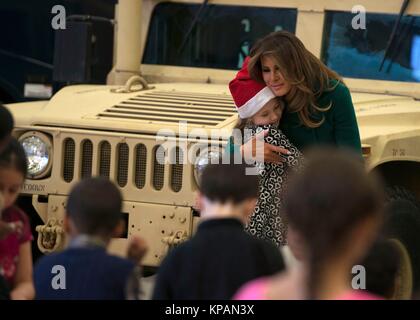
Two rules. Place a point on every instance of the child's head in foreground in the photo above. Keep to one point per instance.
(13, 170)
(227, 190)
(94, 208)
(334, 209)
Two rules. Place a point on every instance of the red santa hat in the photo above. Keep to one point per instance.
(249, 95)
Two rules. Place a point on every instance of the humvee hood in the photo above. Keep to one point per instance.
(379, 115)
(371, 104)
(184, 107)
(166, 106)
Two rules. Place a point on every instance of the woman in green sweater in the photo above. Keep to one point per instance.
(319, 109)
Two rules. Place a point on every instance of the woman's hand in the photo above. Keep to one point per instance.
(258, 150)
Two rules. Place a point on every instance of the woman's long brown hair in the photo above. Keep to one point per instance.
(308, 76)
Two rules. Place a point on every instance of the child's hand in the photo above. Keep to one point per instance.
(137, 249)
(18, 295)
(197, 203)
(7, 228)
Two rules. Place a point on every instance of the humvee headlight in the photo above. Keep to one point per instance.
(206, 156)
(38, 151)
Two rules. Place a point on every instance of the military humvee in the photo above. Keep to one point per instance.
(182, 55)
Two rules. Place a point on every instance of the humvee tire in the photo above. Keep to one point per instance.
(402, 227)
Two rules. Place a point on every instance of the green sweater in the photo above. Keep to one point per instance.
(338, 129)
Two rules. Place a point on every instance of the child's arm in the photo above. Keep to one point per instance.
(294, 159)
(137, 249)
(7, 228)
(24, 286)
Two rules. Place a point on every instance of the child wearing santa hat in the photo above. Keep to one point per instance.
(260, 110)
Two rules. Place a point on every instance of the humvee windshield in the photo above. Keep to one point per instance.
(221, 38)
(365, 48)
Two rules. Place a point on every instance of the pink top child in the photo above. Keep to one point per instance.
(9, 246)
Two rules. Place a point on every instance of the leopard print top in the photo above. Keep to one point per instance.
(267, 221)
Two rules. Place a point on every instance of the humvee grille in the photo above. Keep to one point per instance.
(122, 165)
(176, 170)
(87, 155)
(68, 159)
(158, 168)
(140, 174)
(173, 106)
(104, 159)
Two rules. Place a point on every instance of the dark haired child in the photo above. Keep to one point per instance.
(6, 126)
(221, 256)
(93, 217)
(15, 234)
